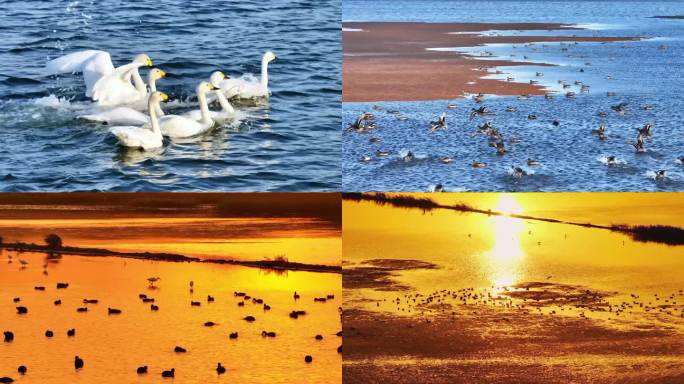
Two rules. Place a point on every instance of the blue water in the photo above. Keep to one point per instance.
(572, 159)
(291, 143)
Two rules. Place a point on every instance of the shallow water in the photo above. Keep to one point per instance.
(572, 159)
(493, 255)
(114, 346)
(290, 143)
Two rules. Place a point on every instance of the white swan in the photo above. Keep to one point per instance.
(227, 112)
(143, 137)
(249, 87)
(128, 115)
(104, 83)
(176, 126)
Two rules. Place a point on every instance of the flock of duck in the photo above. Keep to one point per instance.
(366, 123)
(242, 297)
(122, 97)
(543, 298)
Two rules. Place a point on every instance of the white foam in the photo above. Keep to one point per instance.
(352, 30)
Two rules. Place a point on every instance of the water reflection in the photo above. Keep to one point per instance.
(504, 258)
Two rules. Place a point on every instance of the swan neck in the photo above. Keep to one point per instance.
(152, 106)
(264, 72)
(152, 82)
(204, 107)
(225, 104)
(138, 81)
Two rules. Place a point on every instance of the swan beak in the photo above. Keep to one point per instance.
(163, 96)
(162, 73)
(211, 87)
(149, 62)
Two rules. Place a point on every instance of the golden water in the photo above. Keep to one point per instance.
(114, 346)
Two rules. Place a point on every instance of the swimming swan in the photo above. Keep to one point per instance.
(128, 115)
(181, 126)
(227, 112)
(143, 137)
(247, 88)
(104, 83)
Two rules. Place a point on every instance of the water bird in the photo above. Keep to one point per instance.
(177, 126)
(8, 336)
(62, 285)
(619, 108)
(57, 302)
(268, 334)
(143, 137)
(233, 335)
(532, 116)
(113, 311)
(71, 332)
(49, 333)
(169, 373)
(381, 153)
(438, 188)
(639, 145)
(446, 160)
(477, 164)
(364, 122)
(126, 115)
(517, 172)
(195, 303)
(16, 299)
(409, 156)
(246, 87)
(39, 288)
(296, 295)
(78, 362)
(90, 301)
(220, 369)
(154, 307)
(141, 370)
(365, 159)
(104, 83)
(511, 109)
(660, 174)
(532, 162)
(210, 299)
(209, 324)
(539, 74)
(555, 123)
(500, 147)
(439, 124)
(178, 349)
(308, 358)
(153, 280)
(22, 369)
(82, 309)
(319, 337)
(482, 111)
(646, 130)
(6, 379)
(249, 318)
(22, 310)
(374, 140)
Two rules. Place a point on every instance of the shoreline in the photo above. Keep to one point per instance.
(170, 257)
(390, 61)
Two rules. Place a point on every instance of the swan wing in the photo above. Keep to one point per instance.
(196, 115)
(119, 115)
(136, 137)
(113, 89)
(75, 62)
(180, 126)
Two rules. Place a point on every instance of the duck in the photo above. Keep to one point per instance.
(365, 159)
(176, 126)
(22, 310)
(408, 157)
(500, 147)
(619, 108)
(639, 145)
(517, 172)
(532, 162)
(78, 362)
(178, 349)
(482, 111)
(113, 311)
(142, 370)
(22, 369)
(438, 188)
(8, 336)
(440, 123)
(145, 138)
(660, 174)
(380, 153)
(646, 130)
(169, 373)
(308, 358)
(478, 164)
(446, 160)
(246, 87)
(71, 332)
(220, 369)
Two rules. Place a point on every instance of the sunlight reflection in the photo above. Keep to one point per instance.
(506, 254)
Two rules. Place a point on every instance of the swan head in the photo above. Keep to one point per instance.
(269, 56)
(157, 97)
(204, 87)
(156, 73)
(217, 77)
(143, 59)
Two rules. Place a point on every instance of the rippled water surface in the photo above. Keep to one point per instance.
(113, 346)
(289, 143)
(571, 157)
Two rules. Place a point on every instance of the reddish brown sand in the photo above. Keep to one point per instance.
(493, 345)
(390, 61)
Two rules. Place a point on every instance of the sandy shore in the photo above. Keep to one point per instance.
(492, 345)
(390, 61)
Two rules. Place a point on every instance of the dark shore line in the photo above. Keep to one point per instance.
(675, 17)
(278, 265)
(663, 234)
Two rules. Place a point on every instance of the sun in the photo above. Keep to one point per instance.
(508, 204)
